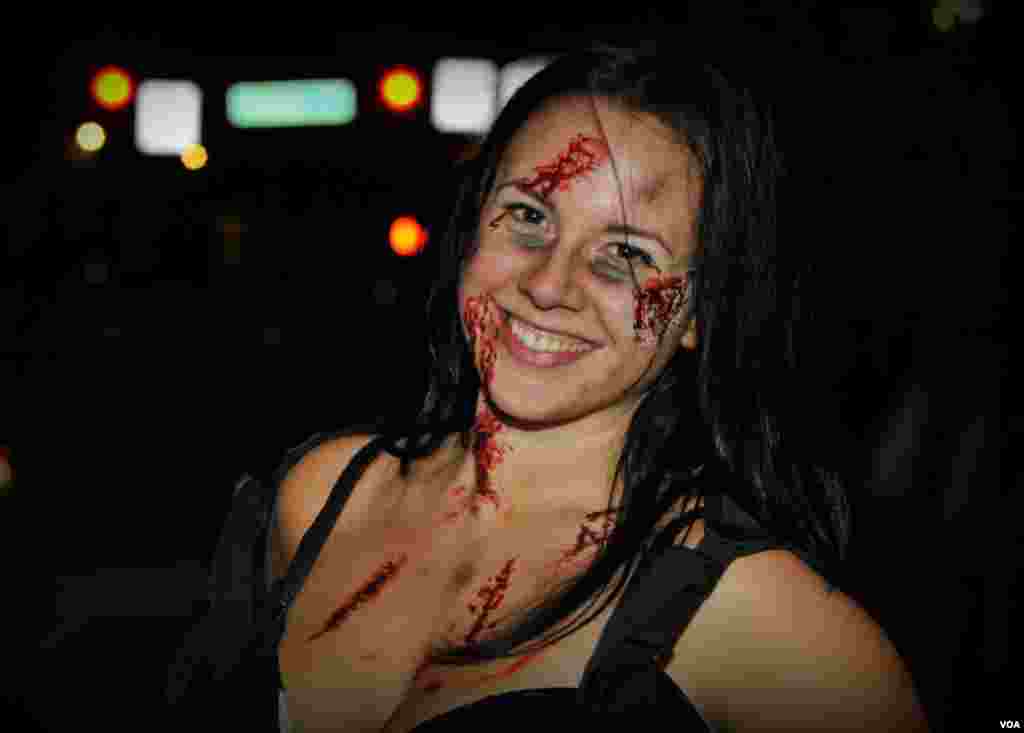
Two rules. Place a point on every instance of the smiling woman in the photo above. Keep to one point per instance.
(609, 407)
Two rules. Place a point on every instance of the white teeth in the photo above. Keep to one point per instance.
(544, 342)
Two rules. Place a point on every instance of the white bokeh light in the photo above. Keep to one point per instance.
(168, 117)
(462, 99)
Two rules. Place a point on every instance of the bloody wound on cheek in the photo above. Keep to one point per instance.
(387, 572)
(482, 321)
(658, 303)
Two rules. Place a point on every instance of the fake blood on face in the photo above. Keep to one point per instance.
(583, 155)
(483, 318)
(658, 303)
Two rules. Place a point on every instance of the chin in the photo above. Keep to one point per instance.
(535, 407)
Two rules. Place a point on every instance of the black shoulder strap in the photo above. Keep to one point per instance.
(242, 617)
(665, 592)
(287, 588)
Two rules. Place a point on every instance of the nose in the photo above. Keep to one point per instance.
(553, 281)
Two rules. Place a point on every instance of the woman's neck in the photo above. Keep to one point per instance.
(516, 468)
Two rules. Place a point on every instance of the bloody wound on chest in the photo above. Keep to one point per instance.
(369, 590)
(491, 596)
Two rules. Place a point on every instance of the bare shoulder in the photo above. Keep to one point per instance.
(305, 489)
(773, 648)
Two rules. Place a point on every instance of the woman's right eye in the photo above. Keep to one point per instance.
(525, 214)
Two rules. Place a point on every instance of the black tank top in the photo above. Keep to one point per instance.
(233, 647)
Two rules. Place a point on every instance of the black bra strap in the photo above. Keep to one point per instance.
(288, 587)
(243, 617)
(667, 589)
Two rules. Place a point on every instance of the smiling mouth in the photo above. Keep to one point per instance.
(541, 341)
(509, 316)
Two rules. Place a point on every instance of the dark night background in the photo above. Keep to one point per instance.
(131, 404)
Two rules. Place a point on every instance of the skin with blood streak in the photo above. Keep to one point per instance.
(658, 304)
(491, 596)
(371, 589)
(589, 538)
(481, 316)
(592, 534)
(489, 455)
(583, 155)
(483, 319)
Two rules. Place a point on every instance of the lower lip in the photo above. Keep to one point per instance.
(526, 355)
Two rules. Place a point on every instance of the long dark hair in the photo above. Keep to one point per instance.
(731, 405)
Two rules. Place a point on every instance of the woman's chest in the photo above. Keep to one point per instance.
(385, 598)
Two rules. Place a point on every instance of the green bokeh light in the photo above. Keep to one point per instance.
(291, 103)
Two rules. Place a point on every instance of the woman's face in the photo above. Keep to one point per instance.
(585, 189)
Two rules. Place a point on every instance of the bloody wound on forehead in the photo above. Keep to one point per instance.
(583, 155)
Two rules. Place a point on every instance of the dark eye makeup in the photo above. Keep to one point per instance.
(531, 217)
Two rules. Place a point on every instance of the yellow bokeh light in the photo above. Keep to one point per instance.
(407, 237)
(90, 137)
(401, 89)
(194, 157)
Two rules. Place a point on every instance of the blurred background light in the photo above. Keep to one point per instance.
(463, 96)
(298, 103)
(194, 157)
(90, 137)
(407, 236)
(112, 88)
(971, 11)
(168, 117)
(947, 14)
(515, 74)
(401, 89)
(944, 14)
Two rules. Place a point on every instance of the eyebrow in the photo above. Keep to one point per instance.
(623, 229)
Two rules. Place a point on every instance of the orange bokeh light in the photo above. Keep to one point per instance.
(407, 236)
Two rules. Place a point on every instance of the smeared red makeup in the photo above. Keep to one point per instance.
(483, 319)
(490, 595)
(660, 303)
(583, 155)
(370, 590)
(489, 455)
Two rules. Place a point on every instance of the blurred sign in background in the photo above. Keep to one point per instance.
(220, 237)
